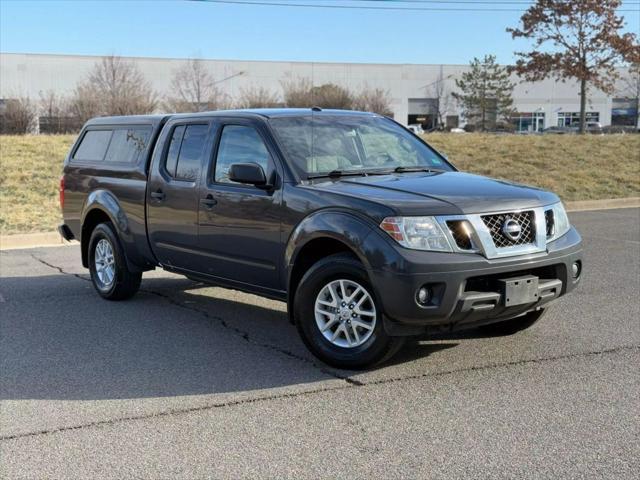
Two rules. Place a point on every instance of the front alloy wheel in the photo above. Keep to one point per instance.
(338, 316)
(345, 313)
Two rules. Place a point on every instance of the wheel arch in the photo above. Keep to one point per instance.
(319, 235)
(102, 206)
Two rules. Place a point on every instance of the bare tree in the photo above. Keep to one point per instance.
(114, 87)
(193, 89)
(585, 43)
(51, 104)
(442, 98)
(85, 103)
(331, 95)
(19, 116)
(55, 115)
(375, 100)
(258, 97)
(297, 92)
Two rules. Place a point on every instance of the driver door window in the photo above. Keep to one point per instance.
(239, 144)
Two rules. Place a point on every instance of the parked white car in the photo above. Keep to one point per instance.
(416, 128)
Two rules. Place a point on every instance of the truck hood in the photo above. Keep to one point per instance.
(446, 193)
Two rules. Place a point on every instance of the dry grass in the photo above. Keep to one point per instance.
(30, 168)
(575, 167)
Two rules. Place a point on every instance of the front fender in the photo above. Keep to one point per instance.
(358, 233)
(346, 227)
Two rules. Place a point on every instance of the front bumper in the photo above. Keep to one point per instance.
(465, 287)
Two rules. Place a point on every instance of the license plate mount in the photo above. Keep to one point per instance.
(519, 290)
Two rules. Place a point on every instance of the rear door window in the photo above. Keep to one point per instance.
(186, 150)
(191, 152)
(127, 144)
(93, 146)
(174, 149)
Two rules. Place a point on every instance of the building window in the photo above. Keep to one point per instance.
(528, 122)
(572, 119)
(624, 112)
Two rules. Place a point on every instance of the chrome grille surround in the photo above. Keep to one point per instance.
(482, 239)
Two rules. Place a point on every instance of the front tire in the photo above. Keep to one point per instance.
(109, 272)
(338, 316)
(514, 325)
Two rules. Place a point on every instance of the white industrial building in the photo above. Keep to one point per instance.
(540, 105)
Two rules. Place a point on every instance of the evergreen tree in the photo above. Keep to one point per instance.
(485, 93)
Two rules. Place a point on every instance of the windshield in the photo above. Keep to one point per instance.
(320, 144)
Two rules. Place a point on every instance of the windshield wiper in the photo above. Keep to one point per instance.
(364, 173)
(339, 173)
(414, 169)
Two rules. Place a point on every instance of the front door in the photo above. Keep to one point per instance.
(173, 195)
(239, 225)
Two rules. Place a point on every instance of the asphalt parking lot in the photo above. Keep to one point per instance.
(189, 381)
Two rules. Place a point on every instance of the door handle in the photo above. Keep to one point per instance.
(158, 195)
(209, 202)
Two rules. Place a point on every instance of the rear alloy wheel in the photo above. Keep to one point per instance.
(338, 316)
(110, 274)
(104, 264)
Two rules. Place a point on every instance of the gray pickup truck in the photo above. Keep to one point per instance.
(368, 233)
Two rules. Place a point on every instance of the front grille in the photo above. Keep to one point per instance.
(495, 224)
(460, 230)
(549, 220)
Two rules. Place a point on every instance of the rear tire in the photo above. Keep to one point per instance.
(514, 325)
(108, 266)
(339, 287)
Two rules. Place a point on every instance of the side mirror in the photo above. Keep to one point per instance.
(248, 173)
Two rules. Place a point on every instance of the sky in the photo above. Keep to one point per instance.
(209, 29)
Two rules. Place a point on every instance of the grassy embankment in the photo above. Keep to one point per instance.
(575, 167)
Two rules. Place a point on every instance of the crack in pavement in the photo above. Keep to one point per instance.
(348, 382)
(289, 395)
(241, 333)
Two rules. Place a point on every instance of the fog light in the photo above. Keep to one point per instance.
(423, 296)
(575, 269)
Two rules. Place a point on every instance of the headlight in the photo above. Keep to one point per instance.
(560, 221)
(419, 233)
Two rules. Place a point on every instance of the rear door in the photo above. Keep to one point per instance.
(239, 234)
(173, 192)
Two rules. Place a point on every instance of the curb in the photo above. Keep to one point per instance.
(53, 239)
(33, 240)
(584, 205)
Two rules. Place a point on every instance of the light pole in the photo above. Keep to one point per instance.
(242, 72)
